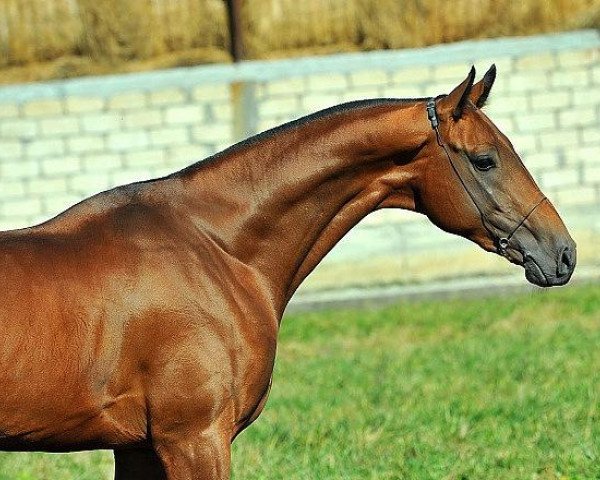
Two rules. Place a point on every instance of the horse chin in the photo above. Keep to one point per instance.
(534, 274)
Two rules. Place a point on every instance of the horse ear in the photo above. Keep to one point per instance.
(481, 89)
(457, 99)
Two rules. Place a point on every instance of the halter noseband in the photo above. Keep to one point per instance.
(501, 242)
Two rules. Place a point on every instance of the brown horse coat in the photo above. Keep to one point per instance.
(145, 318)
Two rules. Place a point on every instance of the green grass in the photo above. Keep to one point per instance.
(504, 388)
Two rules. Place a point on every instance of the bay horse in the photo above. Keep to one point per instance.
(144, 319)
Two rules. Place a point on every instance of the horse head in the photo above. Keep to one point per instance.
(473, 183)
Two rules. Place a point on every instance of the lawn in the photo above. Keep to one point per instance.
(503, 388)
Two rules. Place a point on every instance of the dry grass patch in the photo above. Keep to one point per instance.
(116, 36)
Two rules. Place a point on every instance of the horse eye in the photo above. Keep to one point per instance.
(483, 162)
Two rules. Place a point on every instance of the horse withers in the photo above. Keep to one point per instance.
(145, 318)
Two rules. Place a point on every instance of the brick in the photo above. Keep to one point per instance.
(127, 141)
(54, 204)
(286, 86)
(543, 61)
(543, 160)
(187, 114)
(580, 155)
(84, 104)
(19, 169)
(586, 96)
(211, 92)
(577, 58)
(528, 82)
(590, 135)
(505, 124)
(60, 126)
(369, 77)
(314, 102)
(327, 82)
(187, 155)
(43, 186)
(502, 85)
(144, 118)
(85, 144)
(130, 176)
(504, 64)
(43, 148)
(18, 128)
(221, 112)
(169, 96)
(21, 207)
(214, 134)
(60, 165)
(399, 91)
(145, 158)
(10, 149)
(163, 171)
(8, 110)
(279, 106)
(266, 124)
(359, 94)
(102, 122)
(560, 178)
(89, 183)
(596, 74)
(560, 138)
(13, 188)
(578, 117)
(43, 108)
(411, 76)
(509, 104)
(551, 100)
(169, 136)
(454, 71)
(582, 195)
(128, 101)
(591, 174)
(524, 143)
(535, 122)
(571, 78)
(102, 162)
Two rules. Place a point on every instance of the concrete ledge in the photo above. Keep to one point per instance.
(478, 287)
(260, 71)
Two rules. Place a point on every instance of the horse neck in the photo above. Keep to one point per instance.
(279, 204)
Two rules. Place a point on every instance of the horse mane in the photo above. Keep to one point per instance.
(321, 114)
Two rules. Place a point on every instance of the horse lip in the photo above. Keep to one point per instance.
(533, 272)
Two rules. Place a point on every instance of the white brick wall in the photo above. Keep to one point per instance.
(57, 148)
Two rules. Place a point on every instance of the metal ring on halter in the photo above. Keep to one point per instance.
(501, 243)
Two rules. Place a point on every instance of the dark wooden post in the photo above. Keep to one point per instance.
(243, 96)
(236, 40)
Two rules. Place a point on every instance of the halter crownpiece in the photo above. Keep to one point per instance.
(501, 243)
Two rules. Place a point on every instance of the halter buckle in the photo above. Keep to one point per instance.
(432, 114)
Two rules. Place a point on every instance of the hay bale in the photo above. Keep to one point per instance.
(416, 23)
(272, 26)
(38, 30)
(140, 29)
(115, 30)
(188, 24)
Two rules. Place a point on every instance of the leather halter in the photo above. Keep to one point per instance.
(500, 242)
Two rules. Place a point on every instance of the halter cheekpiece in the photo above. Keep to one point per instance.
(500, 242)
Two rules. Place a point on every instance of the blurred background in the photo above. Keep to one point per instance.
(63, 140)
(97, 93)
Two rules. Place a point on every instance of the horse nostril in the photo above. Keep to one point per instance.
(565, 262)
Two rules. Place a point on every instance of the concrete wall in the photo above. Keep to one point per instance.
(63, 141)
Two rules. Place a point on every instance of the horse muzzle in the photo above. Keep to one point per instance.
(546, 271)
